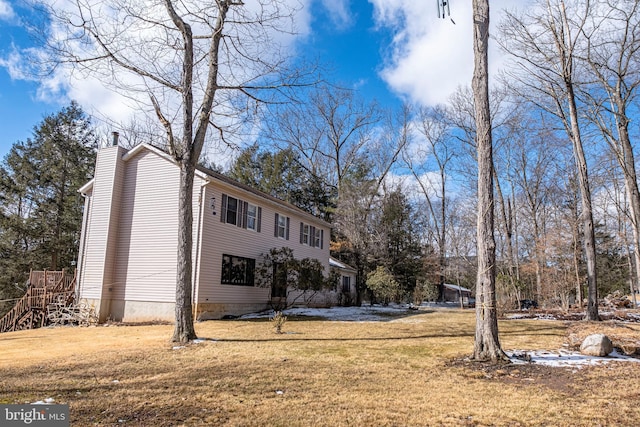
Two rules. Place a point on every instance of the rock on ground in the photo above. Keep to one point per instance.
(596, 345)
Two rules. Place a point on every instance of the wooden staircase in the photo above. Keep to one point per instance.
(44, 288)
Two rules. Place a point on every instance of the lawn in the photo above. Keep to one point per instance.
(406, 371)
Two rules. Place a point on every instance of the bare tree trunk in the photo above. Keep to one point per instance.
(631, 186)
(487, 344)
(184, 330)
(587, 210)
(565, 46)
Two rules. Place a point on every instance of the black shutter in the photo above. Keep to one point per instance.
(275, 228)
(245, 208)
(321, 239)
(286, 234)
(223, 209)
(301, 232)
(259, 219)
(239, 211)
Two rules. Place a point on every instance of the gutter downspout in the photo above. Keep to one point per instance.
(198, 254)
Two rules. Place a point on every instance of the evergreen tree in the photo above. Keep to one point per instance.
(399, 249)
(41, 212)
(281, 175)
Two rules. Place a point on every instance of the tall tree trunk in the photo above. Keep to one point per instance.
(487, 344)
(184, 330)
(587, 210)
(631, 186)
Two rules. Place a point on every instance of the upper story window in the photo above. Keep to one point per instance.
(252, 217)
(312, 236)
(317, 241)
(281, 227)
(241, 213)
(232, 211)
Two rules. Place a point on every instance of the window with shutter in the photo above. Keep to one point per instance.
(282, 227)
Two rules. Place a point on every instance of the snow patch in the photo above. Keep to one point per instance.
(565, 358)
(345, 314)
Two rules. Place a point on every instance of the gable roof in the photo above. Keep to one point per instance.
(208, 175)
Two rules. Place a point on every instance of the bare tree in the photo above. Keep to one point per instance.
(612, 54)
(433, 126)
(195, 65)
(487, 344)
(545, 46)
(331, 131)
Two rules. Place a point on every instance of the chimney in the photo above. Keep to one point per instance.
(115, 138)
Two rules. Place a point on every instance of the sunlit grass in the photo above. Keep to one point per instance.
(397, 373)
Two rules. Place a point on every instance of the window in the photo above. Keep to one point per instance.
(252, 217)
(346, 284)
(240, 213)
(304, 233)
(232, 211)
(237, 270)
(281, 228)
(317, 241)
(312, 236)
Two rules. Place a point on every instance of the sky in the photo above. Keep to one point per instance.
(388, 50)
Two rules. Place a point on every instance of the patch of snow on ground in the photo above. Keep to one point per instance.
(517, 316)
(564, 358)
(346, 314)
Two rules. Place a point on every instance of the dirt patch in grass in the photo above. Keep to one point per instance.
(324, 372)
(553, 378)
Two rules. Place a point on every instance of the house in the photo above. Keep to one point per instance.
(128, 246)
(346, 282)
(453, 293)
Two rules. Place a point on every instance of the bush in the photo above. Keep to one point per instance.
(382, 285)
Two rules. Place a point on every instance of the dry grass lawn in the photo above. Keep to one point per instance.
(404, 372)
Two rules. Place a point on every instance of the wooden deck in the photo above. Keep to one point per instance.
(45, 288)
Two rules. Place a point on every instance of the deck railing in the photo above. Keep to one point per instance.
(44, 288)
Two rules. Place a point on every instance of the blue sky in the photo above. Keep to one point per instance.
(390, 50)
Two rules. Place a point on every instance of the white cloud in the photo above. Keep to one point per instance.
(430, 56)
(339, 12)
(6, 11)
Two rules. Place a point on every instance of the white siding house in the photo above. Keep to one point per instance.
(128, 248)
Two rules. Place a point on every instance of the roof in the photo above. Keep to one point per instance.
(456, 288)
(206, 174)
(341, 265)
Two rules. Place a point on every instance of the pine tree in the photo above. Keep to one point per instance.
(41, 213)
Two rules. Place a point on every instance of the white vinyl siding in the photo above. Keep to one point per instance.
(101, 224)
(146, 257)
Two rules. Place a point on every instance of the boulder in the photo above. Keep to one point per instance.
(596, 345)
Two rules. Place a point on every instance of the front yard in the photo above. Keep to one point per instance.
(406, 370)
